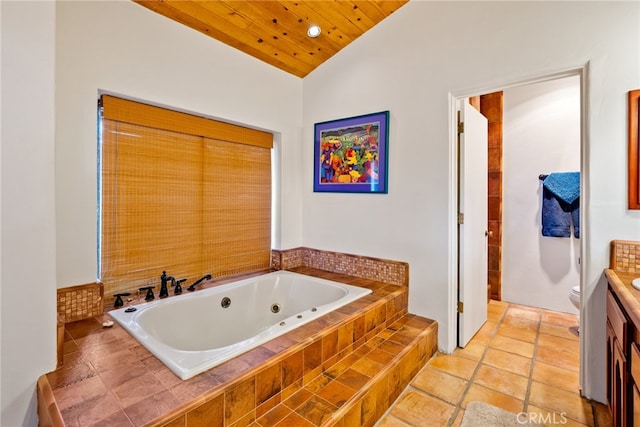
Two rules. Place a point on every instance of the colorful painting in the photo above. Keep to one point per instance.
(350, 154)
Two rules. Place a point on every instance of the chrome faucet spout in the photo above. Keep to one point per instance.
(192, 287)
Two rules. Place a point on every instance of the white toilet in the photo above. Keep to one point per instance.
(574, 297)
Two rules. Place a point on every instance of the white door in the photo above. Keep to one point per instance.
(472, 231)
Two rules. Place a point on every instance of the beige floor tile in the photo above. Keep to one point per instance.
(512, 345)
(508, 361)
(557, 318)
(519, 321)
(558, 357)
(521, 316)
(498, 362)
(524, 311)
(552, 375)
(454, 365)
(561, 401)
(502, 381)
(478, 393)
(481, 338)
(419, 409)
(549, 418)
(496, 303)
(558, 343)
(489, 327)
(518, 332)
(440, 384)
(473, 350)
(559, 331)
(494, 316)
(458, 419)
(495, 310)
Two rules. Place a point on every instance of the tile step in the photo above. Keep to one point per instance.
(357, 390)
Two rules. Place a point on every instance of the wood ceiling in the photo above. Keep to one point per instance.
(275, 31)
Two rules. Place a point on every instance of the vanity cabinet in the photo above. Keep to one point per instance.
(635, 376)
(618, 378)
(623, 355)
(623, 333)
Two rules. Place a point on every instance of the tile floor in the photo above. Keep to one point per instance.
(524, 359)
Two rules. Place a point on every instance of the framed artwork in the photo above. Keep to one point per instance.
(350, 155)
(634, 149)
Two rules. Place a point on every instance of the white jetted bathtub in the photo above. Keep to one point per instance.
(193, 332)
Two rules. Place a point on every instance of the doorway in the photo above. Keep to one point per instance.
(541, 136)
(554, 271)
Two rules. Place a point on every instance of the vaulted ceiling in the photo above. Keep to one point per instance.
(275, 31)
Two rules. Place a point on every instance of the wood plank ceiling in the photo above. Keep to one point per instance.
(275, 31)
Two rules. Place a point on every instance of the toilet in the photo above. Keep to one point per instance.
(574, 297)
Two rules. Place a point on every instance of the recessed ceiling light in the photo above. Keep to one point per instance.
(314, 31)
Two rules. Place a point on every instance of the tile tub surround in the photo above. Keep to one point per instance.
(80, 302)
(625, 256)
(344, 368)
(89, 300)
(382, 270)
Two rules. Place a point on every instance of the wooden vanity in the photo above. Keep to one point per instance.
(623, 334)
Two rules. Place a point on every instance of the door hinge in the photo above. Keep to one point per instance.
(460, 307)
(460, 218)
(460, 127)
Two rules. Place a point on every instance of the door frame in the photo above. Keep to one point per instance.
(452, 269)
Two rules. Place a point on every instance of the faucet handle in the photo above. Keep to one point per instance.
(119, 302)
(149, 290)
(177, 284)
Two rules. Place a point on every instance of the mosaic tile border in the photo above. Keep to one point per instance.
(85, 301)
(382, 270)
(80, 302)
(625, 256)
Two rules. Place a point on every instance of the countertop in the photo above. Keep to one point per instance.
(628, 295)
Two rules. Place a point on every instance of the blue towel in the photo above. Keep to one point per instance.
(561, 204)
(564, 185)
(575, 218)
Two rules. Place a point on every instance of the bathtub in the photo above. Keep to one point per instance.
(193, 332)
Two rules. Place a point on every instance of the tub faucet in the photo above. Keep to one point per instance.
(119, 302)
(149, 296)
(164, 279)
(197, 282)
(177, 284)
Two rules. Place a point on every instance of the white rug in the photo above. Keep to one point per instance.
(480, 414)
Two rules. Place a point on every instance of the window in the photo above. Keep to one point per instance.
(179, 193)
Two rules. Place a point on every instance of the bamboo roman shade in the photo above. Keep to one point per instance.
(180, 193)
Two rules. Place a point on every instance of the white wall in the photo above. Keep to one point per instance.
(60, 54)
(410, 64)
(150, 57)
(391, 67)
(541, 134)
(28, 311)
